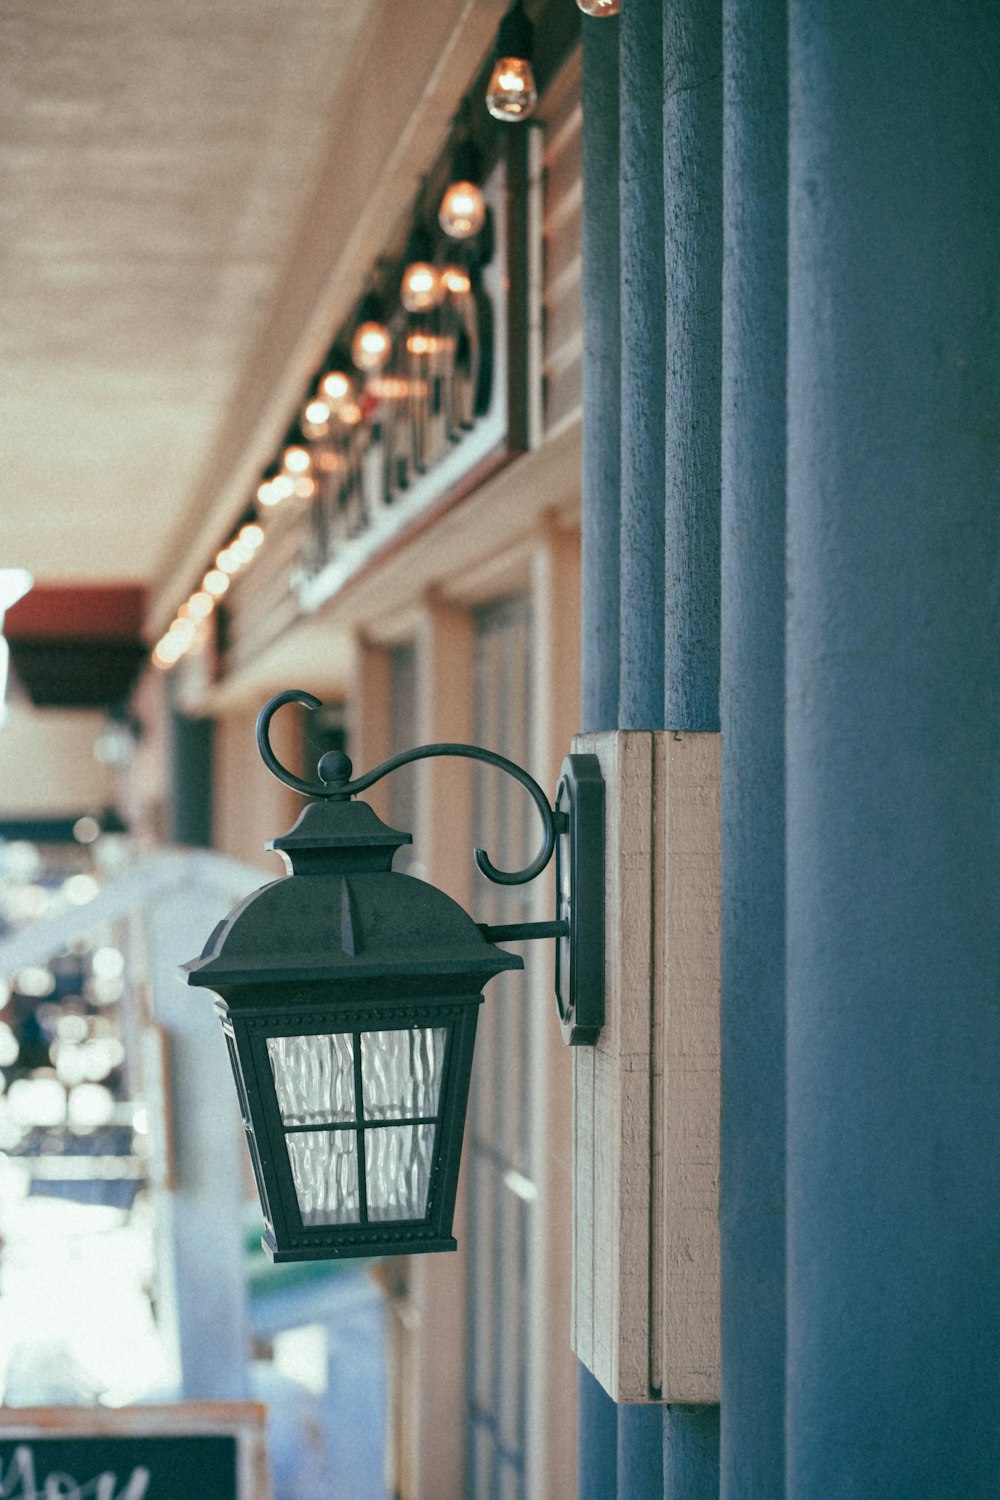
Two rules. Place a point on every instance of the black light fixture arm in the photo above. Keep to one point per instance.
(335, 783)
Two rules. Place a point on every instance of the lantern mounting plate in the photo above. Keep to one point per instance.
(579, 978)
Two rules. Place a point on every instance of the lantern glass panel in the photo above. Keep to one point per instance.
(401, 1072)
(398, 1161)
(314, 1078)
(359, 1112)
(325, 1172)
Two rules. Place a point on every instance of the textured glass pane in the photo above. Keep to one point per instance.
(398, 1170)
(401, 1072)
(314, 1078)
(325, 1172)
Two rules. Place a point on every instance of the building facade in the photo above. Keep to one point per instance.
(701, 465)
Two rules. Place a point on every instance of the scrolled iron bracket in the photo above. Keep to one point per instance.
(335, 783)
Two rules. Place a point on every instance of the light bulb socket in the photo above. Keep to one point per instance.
(467, 162)
(294, 438)
(371, 318)
(338, 360)
(371, 309)
(419, 246)
(516, 36)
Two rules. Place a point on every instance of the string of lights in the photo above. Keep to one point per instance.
(382, 356)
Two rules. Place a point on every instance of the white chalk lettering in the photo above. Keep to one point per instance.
(19, 1482)
(21, 1472)
(101, 1488)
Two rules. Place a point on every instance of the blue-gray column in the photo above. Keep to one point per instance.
(692, 164)
(601, 472)
(691, 1453)
(643, 386)
(640, 1452)
(893, 749)
(642, 365)
(597, 1441)
(597, 1417)
(754, 334)
(600, 594)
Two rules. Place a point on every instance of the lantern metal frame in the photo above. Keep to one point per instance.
(288, 1235)
(349, 951)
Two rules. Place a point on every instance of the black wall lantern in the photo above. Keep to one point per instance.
(349, 995)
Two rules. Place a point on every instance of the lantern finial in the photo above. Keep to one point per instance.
(334, 769)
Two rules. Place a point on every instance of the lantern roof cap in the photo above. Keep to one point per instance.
(332, 837)
(345, 926)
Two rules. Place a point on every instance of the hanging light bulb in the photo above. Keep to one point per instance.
(511, 93)
(296, 459)
(315, 420)
(274, 491)
(200, 605)
(215, 582)
(265, 493)
(462, 213)
(463, 210)
(252, 534)
(371, 346)
(350, 413)
(335, 383)
(456, 280)
(600, 7)
(421, 286)
(422, 344)
(420, 289)
(336, 386)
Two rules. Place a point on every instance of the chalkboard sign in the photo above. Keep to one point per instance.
(206, 1450)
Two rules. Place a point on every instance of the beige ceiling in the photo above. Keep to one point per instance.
(192, 194)
(154, 163)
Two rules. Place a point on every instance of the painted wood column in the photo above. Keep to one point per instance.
(670, 226)
(640, 1451)
(601, 471)
(597, 1441)
(754, 332)
(692, 174)
(640, 535)
(600, 507)
(691, 1454)
(893, 744)
(692, 171)
(640, 703)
